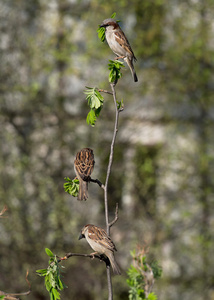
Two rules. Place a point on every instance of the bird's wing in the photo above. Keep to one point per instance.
(99, 236)
(84, 163)
(123, 42)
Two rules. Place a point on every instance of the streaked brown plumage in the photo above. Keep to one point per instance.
(83, 166)
(101, 243)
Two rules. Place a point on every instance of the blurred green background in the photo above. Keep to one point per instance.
(163, 170)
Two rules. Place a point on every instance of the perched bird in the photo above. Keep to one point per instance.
(83, 166)
(101, 243)
(119, 44)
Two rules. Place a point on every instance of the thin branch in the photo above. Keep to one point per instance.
(110, 289)
(98, 182)
(116, 216)
(117, 111)
(3, 211)
(108, 225)
(105, 91)
(11, 296)
(92, 256)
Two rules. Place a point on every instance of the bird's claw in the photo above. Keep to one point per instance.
(93, 254)
(118, 57)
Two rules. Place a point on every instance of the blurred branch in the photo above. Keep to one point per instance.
(104, 91)
(13, 296)
(3, 211)
(116, 216)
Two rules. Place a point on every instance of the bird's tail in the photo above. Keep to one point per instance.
(114, 265)
(83, 190)
(131, 67)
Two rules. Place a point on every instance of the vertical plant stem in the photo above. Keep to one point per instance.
(111, 158)
(110, 291)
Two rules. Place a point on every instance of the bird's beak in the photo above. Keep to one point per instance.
(102, 25)
(81, 236)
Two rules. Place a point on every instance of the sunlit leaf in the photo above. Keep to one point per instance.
(49, 252)
(91, 118)
(42, 272)
(101, 33)
(152, 296)
(115, 66)
(95, 102)
(71, 186)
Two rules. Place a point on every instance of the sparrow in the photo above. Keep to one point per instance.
(119, 44)
(101, 243)
(83, 166)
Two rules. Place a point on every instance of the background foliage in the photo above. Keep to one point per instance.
(163, 167)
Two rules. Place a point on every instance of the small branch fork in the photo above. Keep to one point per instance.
(116, 217)
(109, 224)
(13, 296)
(117, 111)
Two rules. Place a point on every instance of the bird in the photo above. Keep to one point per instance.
(101, 243)
(119, 43)
(83, 166)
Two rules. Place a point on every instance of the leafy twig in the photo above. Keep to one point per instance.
(52, 274)
(142, 276)
(116, 216)
(71, 186)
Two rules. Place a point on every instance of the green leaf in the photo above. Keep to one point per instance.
(71, 186)
(156, 269)
(115, 66)
(2, 297)
(95, 102)
(52, 296)
(94, 98)
(55, 293)
(113, 15)
(47, 282)
(91, 118)
(152, 296)
(101, 34)
(60, 284)
(42, 272)
(49, 252)
(120, 104)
